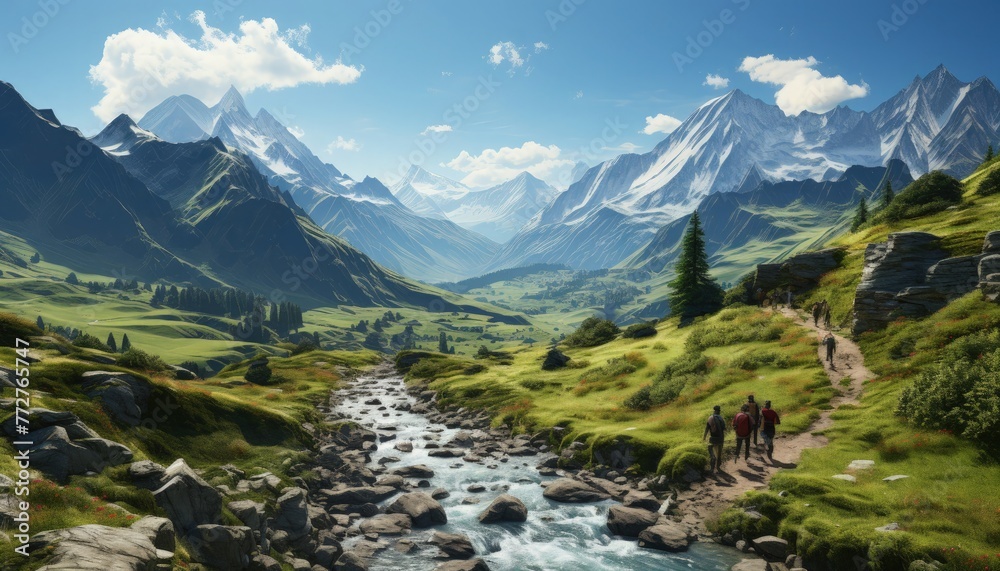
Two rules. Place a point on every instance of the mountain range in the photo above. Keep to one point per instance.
(497, 212)
(365, 213)
(197, 212)
(734, 142)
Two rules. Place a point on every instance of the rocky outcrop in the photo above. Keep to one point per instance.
(292, 514)
(504, 508)
(159, 530)
(910, 275)
(63, 446)
(801, 271)
(989, 267)
(98, 548)
(124, 397)
(186, 498)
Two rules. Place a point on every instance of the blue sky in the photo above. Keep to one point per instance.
(538, 85)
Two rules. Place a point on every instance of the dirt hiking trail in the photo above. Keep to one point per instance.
(707, 499)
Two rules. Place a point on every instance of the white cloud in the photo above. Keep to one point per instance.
(803, 88)
(625, 147)
(505, 51)
(494, 166)
(716, 81)
(445, 74)
(661, 124)
(140, 68)
(437, 129)
(343, 144)
(539, 46)
(579, 95)
(299, 36)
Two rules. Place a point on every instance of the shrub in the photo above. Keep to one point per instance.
(592, 332)
(932, 192)
(668, 385)
(990, 184)
(640, 330)
(88, 341)
(533, 384)
(755, 359)
(961, 393)
(13, 327)
(605, 377)
(141, 361)
(258, 375)
(641, 400)
(305, 346)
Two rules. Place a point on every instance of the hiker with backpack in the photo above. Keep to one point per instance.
(817, 308)
(831, 347)
(715, 431)
(753, 409)
(770, 418)
(743, 424)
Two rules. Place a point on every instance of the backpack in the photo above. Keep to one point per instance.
(754, 409)
(715, 425)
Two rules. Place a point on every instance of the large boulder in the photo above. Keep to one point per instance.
(63, 446)
(424, 510)
(160, 531)
(665, 537)
(387, 524)
(96, 548)
(188, 500)
(801, 271)
(567, 490)
(453, 545)
(504, 508)
(642, 500)
(771, 547)
(291, 514)
(124, 397)
(252, 515)
(224, 547)
(630, 522)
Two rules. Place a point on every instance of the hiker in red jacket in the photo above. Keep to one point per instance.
(743, 424)
(715, 430)
(770, 418)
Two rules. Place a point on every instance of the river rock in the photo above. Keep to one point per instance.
(470, 565)
(453, 545)
(124, 397)
(403, 446)
(292, 515)
(187, 499)
(665, 537)
(225, 547)
(96, 548)
(416, 471)
(771, 547)
(752, 565)
(504, 508)
(387, 524)
(630, 522)
(424, 510)
(567, 490)
(643, 500)
(350, 561)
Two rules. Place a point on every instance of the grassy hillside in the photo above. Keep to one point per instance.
(947, 507)
(208, 423)
(737, 349)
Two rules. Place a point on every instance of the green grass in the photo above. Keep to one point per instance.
(948, 507)
(587, 397)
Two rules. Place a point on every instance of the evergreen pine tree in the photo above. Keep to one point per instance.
(126, 344)
(443, 343)
(989, 154)
(693, 292)
(111, 343)
(72, 279)
(888, 195)
(860, 215)
(272, 318)
(40, 323)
